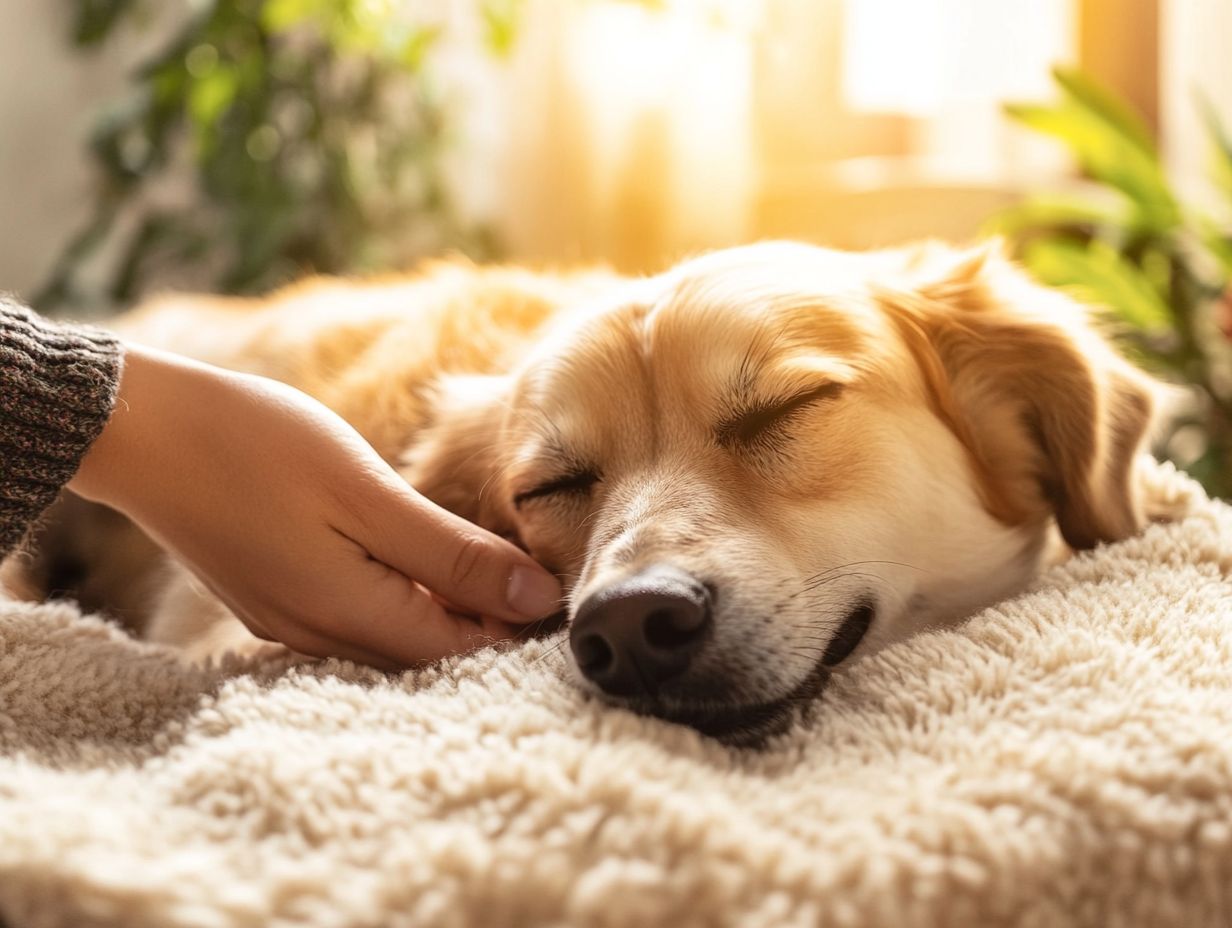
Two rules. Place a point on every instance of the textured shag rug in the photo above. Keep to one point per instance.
(1062, 759)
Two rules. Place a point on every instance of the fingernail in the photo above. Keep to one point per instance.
(533, 593)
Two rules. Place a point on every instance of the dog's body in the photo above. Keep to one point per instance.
(745, 469)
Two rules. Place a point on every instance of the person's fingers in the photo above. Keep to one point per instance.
(258, 629)
(377, 616)
(268, 622)
(373, 615)
(311, 644)
(404, 622)
(459, 561)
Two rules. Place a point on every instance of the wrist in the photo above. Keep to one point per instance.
(127, 455)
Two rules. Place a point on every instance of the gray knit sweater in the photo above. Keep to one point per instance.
(57, 387)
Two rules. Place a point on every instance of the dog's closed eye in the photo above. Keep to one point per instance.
(576, 482)
(750, 425)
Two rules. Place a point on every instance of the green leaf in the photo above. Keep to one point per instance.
(95, 20)
(1108, 106)
(1041, 213)
(1109, 143)
(279, 16)
(208, 99)
(1098, 274)
(500, 20)
(1218, 241)
(416, 47)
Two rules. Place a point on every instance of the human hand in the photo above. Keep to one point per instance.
(297, 524)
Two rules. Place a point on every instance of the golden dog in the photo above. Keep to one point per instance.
(746, 469)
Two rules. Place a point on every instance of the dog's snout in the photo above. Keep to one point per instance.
(631, 637)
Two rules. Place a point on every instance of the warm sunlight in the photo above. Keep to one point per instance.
(615, 463)
(656, 129)
(927, 56)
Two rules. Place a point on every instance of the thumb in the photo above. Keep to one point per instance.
(459, 561)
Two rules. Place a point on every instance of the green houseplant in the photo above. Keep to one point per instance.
(307, 134)
(1159, 268)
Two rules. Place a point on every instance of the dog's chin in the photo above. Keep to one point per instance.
(746, 725)
(752, 724)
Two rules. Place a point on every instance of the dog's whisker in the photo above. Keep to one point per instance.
(497, 474)
(555, 649)
(531, 629)
(832, 578)
(811, 652)
(864, 563)
(812, 586)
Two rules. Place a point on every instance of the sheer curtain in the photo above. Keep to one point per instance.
(638, 132)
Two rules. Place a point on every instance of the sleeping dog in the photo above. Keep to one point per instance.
(747, 470)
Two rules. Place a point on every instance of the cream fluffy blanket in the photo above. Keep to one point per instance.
(1062, 759)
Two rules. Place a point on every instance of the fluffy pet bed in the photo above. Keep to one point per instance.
(1061, 759)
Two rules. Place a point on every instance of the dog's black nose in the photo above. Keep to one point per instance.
(641, 632)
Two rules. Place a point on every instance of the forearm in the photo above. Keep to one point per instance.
(57, 388)
(299, 527)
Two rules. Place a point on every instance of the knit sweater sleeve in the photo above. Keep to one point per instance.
(57, 388)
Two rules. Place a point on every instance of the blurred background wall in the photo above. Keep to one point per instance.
(633, 133)
(48, 97)
(234, 145)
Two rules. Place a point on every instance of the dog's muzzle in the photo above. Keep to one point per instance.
(635, 635)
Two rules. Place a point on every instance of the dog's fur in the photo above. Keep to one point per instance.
(808, 432)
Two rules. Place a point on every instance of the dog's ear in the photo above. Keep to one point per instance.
(455, 460)
(1052, 417)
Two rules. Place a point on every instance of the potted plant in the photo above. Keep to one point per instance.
(1157, 267)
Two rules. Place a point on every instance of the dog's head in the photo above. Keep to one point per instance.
(774, 457)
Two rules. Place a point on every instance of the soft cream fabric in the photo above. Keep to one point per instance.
(1061, 759)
